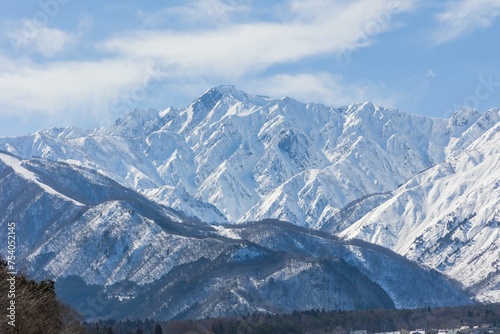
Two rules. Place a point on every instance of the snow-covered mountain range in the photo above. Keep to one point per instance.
(424, 187)
(235, 157)
(114, 253)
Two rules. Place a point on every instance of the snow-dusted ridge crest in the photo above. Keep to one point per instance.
(363, 171)
(17, 166)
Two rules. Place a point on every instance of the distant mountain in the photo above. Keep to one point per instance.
(114, 253)
(359, 171)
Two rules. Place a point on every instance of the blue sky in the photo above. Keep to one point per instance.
(86, 63)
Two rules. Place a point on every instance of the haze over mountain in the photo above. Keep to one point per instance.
(136, 193)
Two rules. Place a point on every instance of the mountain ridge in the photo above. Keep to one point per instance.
(232, 157)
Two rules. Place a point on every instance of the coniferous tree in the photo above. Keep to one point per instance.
(35, 307)
(158, 329)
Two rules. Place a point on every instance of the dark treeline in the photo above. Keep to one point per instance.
(313, 321)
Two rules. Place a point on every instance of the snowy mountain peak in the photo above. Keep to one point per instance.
(134, 124)
(208, 100)
(69, 132)
(227, 89)
(230, 95)
(233, 92)
(461, 120)
(367, 106)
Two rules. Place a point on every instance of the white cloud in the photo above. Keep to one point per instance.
(464, 17)
(83, 91)
(32, 36)
(323, 87)
(237, 49)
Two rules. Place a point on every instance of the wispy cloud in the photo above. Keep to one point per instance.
(322, 87)
(463, 17)
(65, 90)
(321, 28)
(30, 36)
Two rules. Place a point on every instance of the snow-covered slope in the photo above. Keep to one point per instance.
(114, 253)
(448, 217)
(16, 165)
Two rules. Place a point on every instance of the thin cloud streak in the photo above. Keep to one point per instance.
(463, 17)
(238, 49)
